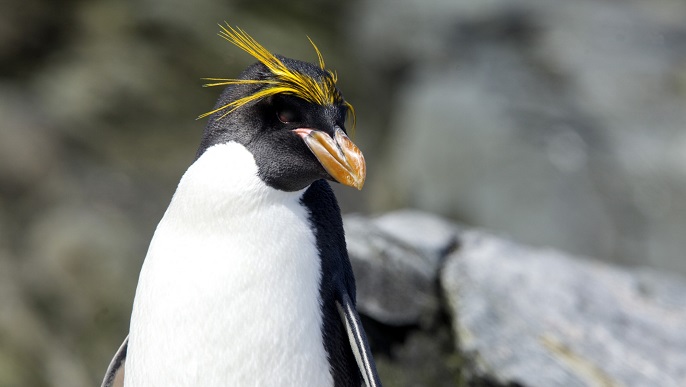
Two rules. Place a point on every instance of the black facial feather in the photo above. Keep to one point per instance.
(284, 162)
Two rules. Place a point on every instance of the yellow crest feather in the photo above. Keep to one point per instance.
(318, 91)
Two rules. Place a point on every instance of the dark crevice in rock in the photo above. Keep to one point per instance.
(384, 338)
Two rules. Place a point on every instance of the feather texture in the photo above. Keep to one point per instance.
(321, 90)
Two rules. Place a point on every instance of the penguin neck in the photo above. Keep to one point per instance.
(223, 182)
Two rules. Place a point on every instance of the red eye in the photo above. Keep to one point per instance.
(287, 115)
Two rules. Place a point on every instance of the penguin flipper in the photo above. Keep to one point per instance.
(114, 377)
(358, 341)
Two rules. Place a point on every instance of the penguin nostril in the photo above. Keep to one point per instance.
(302, 132)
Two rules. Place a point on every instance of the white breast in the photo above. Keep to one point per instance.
(229, 291)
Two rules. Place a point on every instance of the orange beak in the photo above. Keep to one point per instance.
(339, 156)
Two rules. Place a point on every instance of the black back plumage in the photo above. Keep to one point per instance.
(337, 278)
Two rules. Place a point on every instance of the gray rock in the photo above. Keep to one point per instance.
(396, 259)
(541, 318)
(428, 234)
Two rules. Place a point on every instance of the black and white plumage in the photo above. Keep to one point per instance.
(247, 280)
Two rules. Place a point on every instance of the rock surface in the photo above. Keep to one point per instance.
(543, 318)
(519, 316)
(396, 258)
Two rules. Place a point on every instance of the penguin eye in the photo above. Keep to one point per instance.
(287, 115)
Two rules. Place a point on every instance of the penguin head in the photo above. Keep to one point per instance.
(289, 115)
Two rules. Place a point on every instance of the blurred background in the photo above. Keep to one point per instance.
(559, 124)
